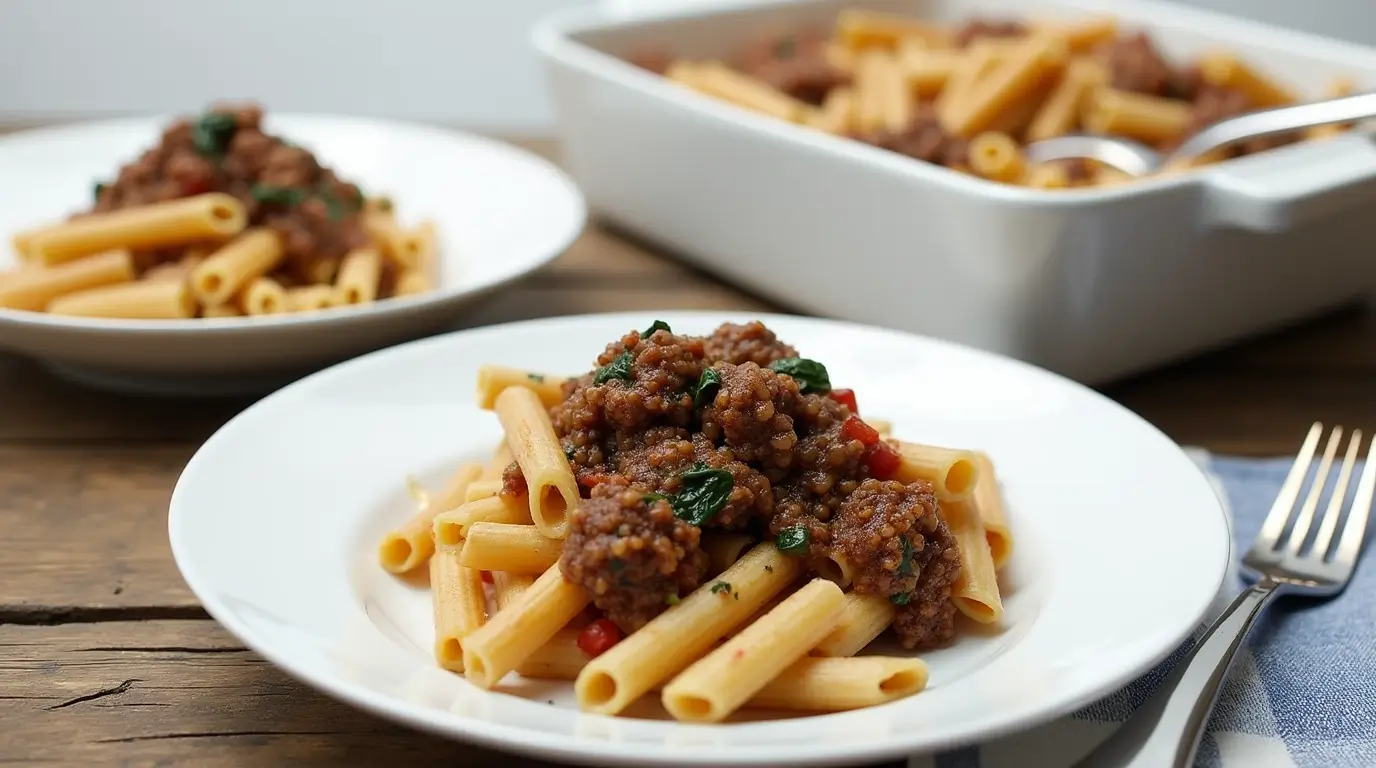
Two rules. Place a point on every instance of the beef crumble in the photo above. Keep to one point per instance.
(673, 435)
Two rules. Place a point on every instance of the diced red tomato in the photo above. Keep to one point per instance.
(882, 460)
(195, 186)
(855, 429)
(846, 397)
(598, 637)
(487, 577)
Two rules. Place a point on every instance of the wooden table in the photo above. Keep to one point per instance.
(106, 658)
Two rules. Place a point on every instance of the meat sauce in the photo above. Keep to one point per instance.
(671, 436)
(282, 186)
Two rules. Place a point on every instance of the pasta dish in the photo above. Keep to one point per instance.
(707, 518)
(969, 97)
(220, 219)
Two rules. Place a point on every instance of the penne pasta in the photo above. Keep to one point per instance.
(221, 310)
(482, 489)
(1081, 36)
(859, 28)
(996, 156)
(552, 488)
(1226, 71)
(811, 684)
(492, 379)
(412, 282)
(925, 70)
(519, 630)
(1059, 114)
(1028, 66)
(837, 115)
(725, 679)
(836, 569)
(952, 472)
(724, 549)
(988, 502)
(158, 225)
(34, 288)
(677, 637)
(358, 277)
(162, 300)
(506, 587)
(263, 296)
(973, 65)
(976, 591)
(460, 606)
(1147, 118)
(863, 618)
(1048, 176)
(716, 79)
(420, 250)
(311, 298)
(389, 238)
(238, 263)
(411, 544)
(176, 270)
(452, 526)
(505, 547)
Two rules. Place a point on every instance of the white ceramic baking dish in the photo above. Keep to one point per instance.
(1094, 284)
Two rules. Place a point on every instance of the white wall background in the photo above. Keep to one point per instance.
(466, 62)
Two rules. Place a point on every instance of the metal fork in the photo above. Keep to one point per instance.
(1166, 730)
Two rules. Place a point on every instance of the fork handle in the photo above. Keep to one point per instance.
(1165, 731)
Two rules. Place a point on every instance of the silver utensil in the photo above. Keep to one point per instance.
(1137, 159)
(1166, 730)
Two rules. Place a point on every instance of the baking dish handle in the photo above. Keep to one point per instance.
(1277, 191)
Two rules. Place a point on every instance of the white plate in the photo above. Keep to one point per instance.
(501, 213)
(1121, 543)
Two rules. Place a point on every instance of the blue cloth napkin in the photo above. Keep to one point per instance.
(1302, 693)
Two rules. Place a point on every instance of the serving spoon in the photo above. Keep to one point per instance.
(1137, 159)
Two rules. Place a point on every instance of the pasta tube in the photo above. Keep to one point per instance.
(175, 222)
(34, 288)
(511, 548)
(235, 265)
(158, 300)
(553, 490)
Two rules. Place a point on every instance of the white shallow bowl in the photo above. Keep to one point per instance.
(1121, 543)
(501, 213)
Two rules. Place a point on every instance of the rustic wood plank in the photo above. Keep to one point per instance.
(186, 692)
(87, 528)
(174, 692)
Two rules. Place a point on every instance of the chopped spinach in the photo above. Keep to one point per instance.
(811, 375)
(99, 187)
(658, 325)
(720, 587)
(211, 132)
(620, 368)
(902, 599)
(706, 390)
(705, 492)
(671, 599)
(284, 196)
(538, 378)
(905, 566)
(794, 540)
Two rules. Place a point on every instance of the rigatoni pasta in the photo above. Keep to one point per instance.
(247, 238)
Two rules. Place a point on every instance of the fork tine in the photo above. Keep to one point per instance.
(1350, 545)
(1324, 539)
(1290, 490)
(1311, 502)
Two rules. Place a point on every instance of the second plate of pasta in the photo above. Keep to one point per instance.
(199, 251)
(697, 539)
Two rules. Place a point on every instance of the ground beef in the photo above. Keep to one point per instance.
(928, 620)
(513, 482)
(882, 529)
(1134, 64)
(795, 64)
(655, 460)
(752, 414)
(925, 140)
(748, 343)
(631, 554)
(827, 467)
(320, 220)
(664, 370)
(977, 28)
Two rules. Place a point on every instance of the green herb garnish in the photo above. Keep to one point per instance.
(706, 390)
(794, 540)
(333, 208)
(651, 498)
(538, 378)
(211, 132)
(671, 599)
(284, 196)
(905, 566)
(811, 375)
(902, 599)
(785, 48)
(617, 566)
(720, 587)
(620, 368)
(99, 187)
(569, 451)
(705, 492)
(658, 325)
